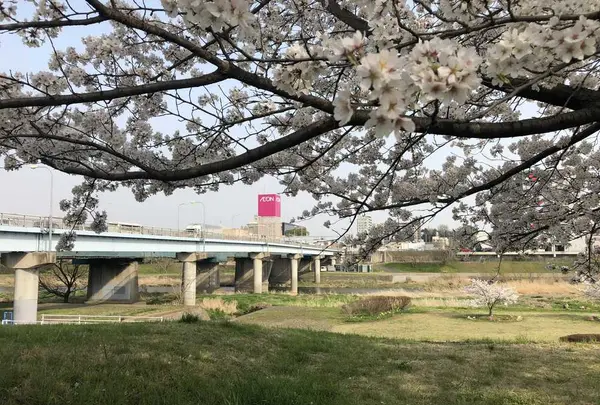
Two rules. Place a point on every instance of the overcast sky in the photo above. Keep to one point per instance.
(27, 191)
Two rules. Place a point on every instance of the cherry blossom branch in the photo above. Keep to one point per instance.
(52, 23)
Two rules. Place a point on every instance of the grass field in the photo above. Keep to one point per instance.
(347, 280)
(508, 266)
(433, 324)
(228, 363)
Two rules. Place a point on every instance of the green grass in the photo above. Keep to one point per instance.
(469, 267)
(226, 363)
(99, 309)
(433, 324)
(246, 301)
(151, 269)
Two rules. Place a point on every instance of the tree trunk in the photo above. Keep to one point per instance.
(66, 296)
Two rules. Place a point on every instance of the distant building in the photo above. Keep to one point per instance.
(440, 242)
(235, 232)
(364, 224)
(268, 227)
(267, 223)
(252, 226)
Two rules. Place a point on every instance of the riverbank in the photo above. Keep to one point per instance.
(227, 363)
(475, 266)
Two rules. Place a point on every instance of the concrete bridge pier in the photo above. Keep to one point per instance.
(285, 272)
(207, 276)
(281, 273)
(198, 275)
(113, 280)
(27, 279)
(294, 262)
(251, 275)
(317, 266)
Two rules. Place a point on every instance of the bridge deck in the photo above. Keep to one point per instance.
(111, 244)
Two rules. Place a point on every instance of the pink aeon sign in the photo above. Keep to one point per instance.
(269, 205)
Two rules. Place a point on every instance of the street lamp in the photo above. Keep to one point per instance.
(192, 203)
(34, 167)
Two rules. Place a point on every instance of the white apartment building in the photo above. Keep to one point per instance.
(363, 224)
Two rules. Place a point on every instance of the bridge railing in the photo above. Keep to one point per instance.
(42, 222)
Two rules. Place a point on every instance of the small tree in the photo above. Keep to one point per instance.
(162, 265)
(489, 294)
(593, 291)
(63, 279)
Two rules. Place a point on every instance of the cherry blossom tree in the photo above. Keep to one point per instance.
(593, 291)
(405, 107)
(489, 294)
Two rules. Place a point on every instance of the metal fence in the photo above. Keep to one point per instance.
(49, 319)
(33, 221)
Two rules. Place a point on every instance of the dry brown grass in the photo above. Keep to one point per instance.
(440, 302)
(544, 287)
(7, 280)
(154, 280)
(218, 304)
(376, 305)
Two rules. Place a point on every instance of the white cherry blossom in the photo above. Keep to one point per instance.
(157, 97)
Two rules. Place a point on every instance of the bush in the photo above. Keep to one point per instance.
(218, 315)
(374, 306)
(218, 304)
(585, 338)
(257, 307)
(189, 318)
(158, 298)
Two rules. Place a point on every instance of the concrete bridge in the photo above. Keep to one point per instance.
(113, 260)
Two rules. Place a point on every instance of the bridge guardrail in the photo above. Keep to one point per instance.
(42, 222)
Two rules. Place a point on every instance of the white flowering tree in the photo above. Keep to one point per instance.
(593, 291)
(489, 294)
(352, 101)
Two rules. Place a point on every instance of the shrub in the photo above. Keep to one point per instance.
(218, 304)
(218, 315)
(489, 294)
(589, 337)
(158, 298)
(189, 318)
(373, 306)
(257, 307)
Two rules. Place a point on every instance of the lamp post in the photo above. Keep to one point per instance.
(34, 167)
(192, 203)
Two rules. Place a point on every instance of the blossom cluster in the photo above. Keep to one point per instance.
(297, 77)
(434, 70)
(215, 15)
(537, 47)
(8, 9)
